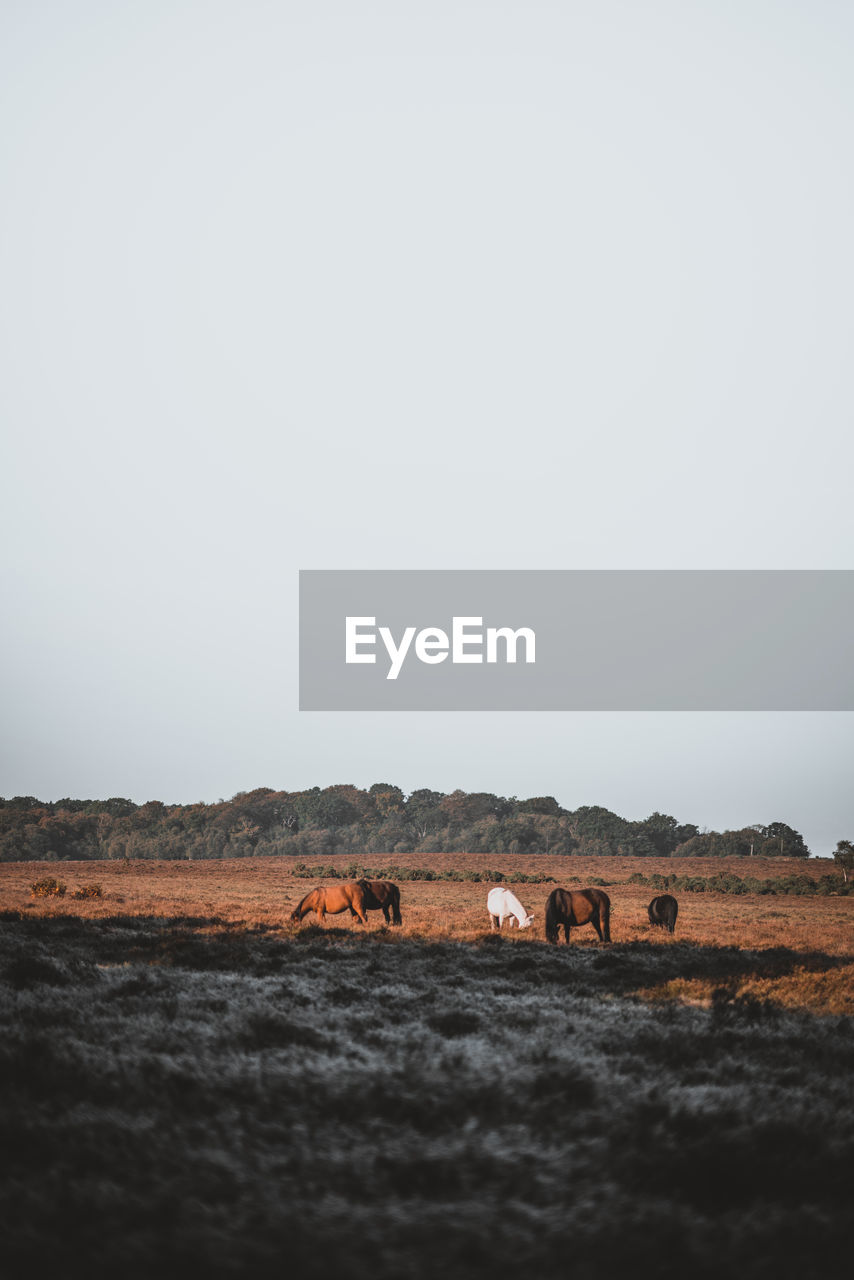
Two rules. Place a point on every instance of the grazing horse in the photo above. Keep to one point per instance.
(502, 904)
(383, 895)
(662, 910)
(340, 897)
(578, 906)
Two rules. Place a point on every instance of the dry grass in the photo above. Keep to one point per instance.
(260, 892)
(828, 991)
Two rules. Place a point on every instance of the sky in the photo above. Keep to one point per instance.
(411, 286)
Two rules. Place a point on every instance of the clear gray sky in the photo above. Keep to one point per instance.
(408, 285)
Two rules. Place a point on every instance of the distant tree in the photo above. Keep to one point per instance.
(323, 809)
(665, 833)
(782, 841)
(519, 835)
(387, 798)
(470, 806)
(546, 805)
(721, 844)
(345, 818)
(844, 857)
(363, 803)
(598, 830)
(423, 812)
(116, 807)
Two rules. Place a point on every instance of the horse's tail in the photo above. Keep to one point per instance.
(551, 917)
(395, 905)
(605, 916)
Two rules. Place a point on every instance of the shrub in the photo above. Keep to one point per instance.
(88, 891)
(47, 888)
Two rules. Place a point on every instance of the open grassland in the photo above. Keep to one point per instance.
(190, 1081)
(261, 892)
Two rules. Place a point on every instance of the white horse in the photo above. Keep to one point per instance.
(502, 903)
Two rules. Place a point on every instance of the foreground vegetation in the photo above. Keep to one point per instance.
(195, 1092)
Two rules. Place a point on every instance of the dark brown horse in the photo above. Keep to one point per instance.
(339, 897)
(578, 906)
(662, 910)
(383, 895)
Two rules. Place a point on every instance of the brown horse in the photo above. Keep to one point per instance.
(383, 895)
(578, 906)
(340, 897)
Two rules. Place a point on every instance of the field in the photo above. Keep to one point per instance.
(188, 1079)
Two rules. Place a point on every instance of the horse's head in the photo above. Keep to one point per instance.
(527, 922)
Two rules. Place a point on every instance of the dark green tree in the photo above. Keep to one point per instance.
(782, 841)
(546, 805)
(665, 833)
(423, 812)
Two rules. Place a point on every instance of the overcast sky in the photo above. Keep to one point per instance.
(407, 285)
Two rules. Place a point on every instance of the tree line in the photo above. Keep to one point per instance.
(346, 819)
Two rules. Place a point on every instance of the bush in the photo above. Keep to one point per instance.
(88, 891)
(47, 888)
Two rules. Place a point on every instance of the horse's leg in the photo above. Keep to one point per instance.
(594, 920)
(494, 922)
(566, 931)
(386, 913)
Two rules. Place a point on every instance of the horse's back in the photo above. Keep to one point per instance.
(570, 907)
(339, 897)
(578, 905)
(497, 901)
(382, 895)
(379, 892)
(663, 910)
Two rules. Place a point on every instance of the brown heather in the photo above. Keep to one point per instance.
(261, 892)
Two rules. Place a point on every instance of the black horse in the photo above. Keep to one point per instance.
(662, 910)
(383, 895)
